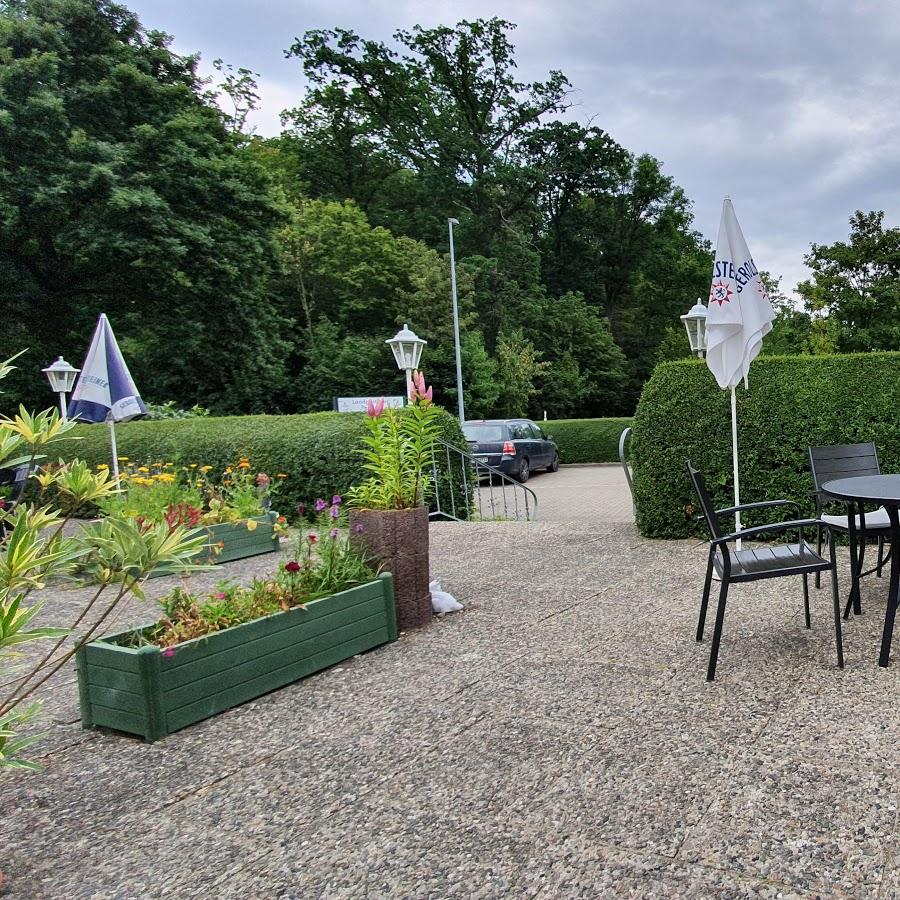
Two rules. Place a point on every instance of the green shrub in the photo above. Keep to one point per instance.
(794, 402)
(316, 451)
(586, 440)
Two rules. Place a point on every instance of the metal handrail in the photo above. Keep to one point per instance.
(522, 501)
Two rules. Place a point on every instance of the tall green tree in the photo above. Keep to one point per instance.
(122, 190)
(856, 283)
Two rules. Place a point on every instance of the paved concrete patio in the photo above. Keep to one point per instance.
(556, 739)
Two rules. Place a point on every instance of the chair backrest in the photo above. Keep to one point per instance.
(706, 503)
(842, 461)
(623, 458)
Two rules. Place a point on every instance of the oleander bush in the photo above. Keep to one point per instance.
(318, 452)
(794, 402)
(586, 440)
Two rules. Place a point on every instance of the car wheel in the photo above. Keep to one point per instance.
(524, 471)
(554, 466)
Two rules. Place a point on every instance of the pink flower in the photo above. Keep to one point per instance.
(168, 652)
(262, 479)
(334, 533)
(335, 512)
(313, 538)
(418, 391)
(336, 500)
(374, 408)
(221, 595)
(320, 505)
(292, 566)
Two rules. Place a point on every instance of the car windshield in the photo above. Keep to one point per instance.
(482, 434)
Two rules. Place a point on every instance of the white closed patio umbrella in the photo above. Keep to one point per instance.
(738, 318)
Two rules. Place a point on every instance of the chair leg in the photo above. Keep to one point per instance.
(880, 556)
(707, 584)
(838, 639)
(717, 633)
(818, 553)
(806, 599)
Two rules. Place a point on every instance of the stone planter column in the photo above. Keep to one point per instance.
(397, 539)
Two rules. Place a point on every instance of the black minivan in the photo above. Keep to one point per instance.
(514, 446)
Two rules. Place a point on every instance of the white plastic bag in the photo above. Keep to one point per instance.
(441, 601)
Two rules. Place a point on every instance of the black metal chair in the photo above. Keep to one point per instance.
(624, 438)
(847, 461)
(780, 560)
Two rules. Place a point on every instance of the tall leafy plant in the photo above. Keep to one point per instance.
(398, 451)
(36, 547)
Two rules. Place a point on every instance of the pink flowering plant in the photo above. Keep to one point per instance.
(324, 562)
(398, 451)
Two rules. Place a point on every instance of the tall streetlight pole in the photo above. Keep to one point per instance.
(459, 381)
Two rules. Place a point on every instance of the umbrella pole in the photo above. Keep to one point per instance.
(734, 454)
(115, 452)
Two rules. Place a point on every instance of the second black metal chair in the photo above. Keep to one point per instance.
(846, 461)
(780, 560)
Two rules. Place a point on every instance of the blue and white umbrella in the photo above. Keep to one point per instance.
(105, 391)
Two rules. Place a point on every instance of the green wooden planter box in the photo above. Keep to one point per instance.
(143, 692)
(239, 542)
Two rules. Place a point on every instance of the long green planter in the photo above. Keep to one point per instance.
(143, 691)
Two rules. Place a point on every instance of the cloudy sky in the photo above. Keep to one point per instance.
(788, 106)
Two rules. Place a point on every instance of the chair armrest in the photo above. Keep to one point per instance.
(774, 527)
(765, 504)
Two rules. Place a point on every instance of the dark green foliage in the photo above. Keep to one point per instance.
(122, 191)
(586, 440)
(857, 283)
(317, 451)
(793, 402)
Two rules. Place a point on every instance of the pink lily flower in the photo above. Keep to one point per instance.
(374, 409)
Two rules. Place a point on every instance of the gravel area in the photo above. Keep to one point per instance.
(555, 739)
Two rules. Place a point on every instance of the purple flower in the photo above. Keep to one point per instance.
(335, 512)
(334, 533)
(169, 651)
(336, 500)
(358, 528)
(320, 505)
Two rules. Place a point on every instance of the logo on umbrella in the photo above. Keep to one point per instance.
(720, 292)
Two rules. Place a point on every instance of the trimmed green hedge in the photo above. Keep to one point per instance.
(316, 451)
(794, 402)
(586, 440)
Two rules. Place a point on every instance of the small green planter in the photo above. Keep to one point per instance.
(229, 541)
(144, 692)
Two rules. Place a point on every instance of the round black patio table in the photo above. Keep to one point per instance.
(883, 490)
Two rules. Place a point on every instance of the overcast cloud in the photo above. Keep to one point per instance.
(789, 107)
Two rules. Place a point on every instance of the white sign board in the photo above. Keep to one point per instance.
(359, 404)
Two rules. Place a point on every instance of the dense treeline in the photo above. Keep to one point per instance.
(250, 274)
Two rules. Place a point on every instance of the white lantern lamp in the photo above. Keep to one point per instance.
(695, 325)
(407, 348)
(62, 379)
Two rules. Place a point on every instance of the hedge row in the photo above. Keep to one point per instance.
(317, 451)
(794, 402)
(587, 440)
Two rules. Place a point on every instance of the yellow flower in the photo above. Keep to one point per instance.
(244, 464)
(165, 477)
(122, 458)
(251, 524)
(192, 466)
(102, 467)
(143, 469)
(281, 475)
(205, 469)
